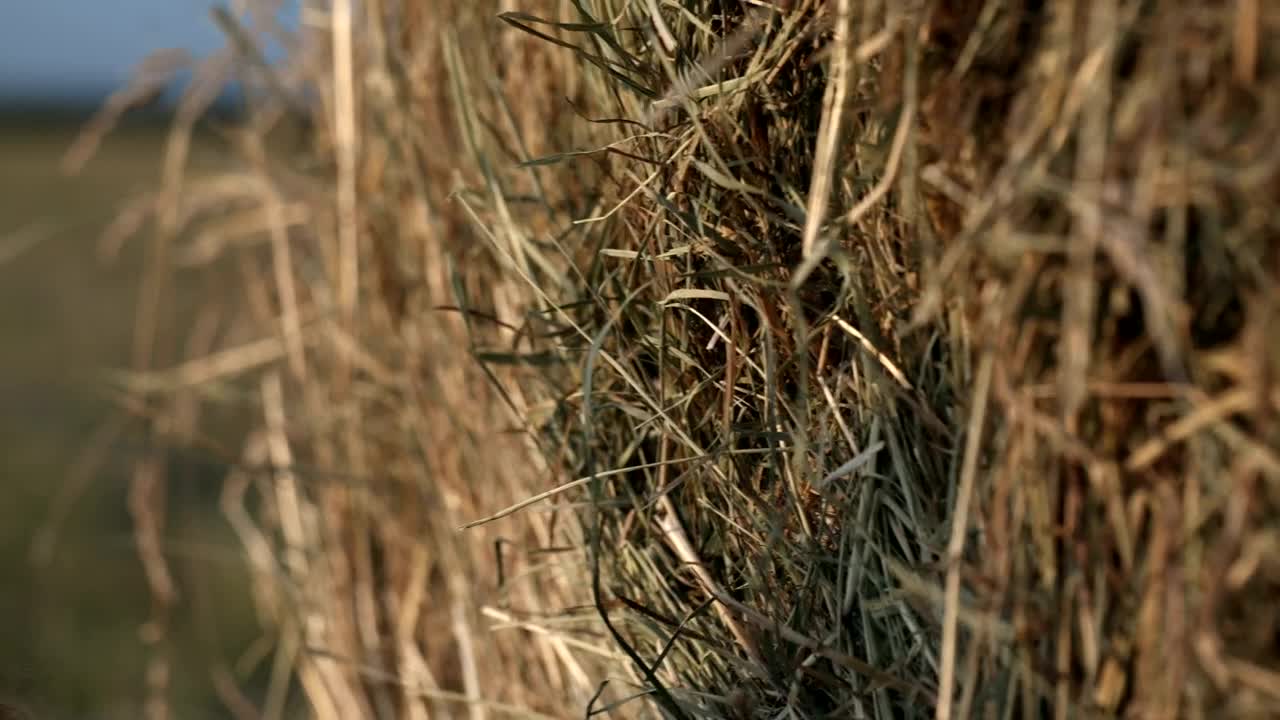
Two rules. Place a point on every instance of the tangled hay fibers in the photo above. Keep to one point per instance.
(807, 358)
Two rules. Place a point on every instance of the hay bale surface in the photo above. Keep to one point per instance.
(845, 359)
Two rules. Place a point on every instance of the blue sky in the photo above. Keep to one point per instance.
(78, 51)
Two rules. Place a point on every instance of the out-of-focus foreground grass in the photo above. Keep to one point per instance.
(73, 600)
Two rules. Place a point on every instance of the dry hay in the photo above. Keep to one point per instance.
(846, 359)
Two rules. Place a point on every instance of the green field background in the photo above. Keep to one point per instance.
(71, 616)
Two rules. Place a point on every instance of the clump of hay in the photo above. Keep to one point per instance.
(829, 357)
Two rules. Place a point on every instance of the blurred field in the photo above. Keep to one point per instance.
(74, 597)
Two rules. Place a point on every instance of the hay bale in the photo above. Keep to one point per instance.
(840, 358)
